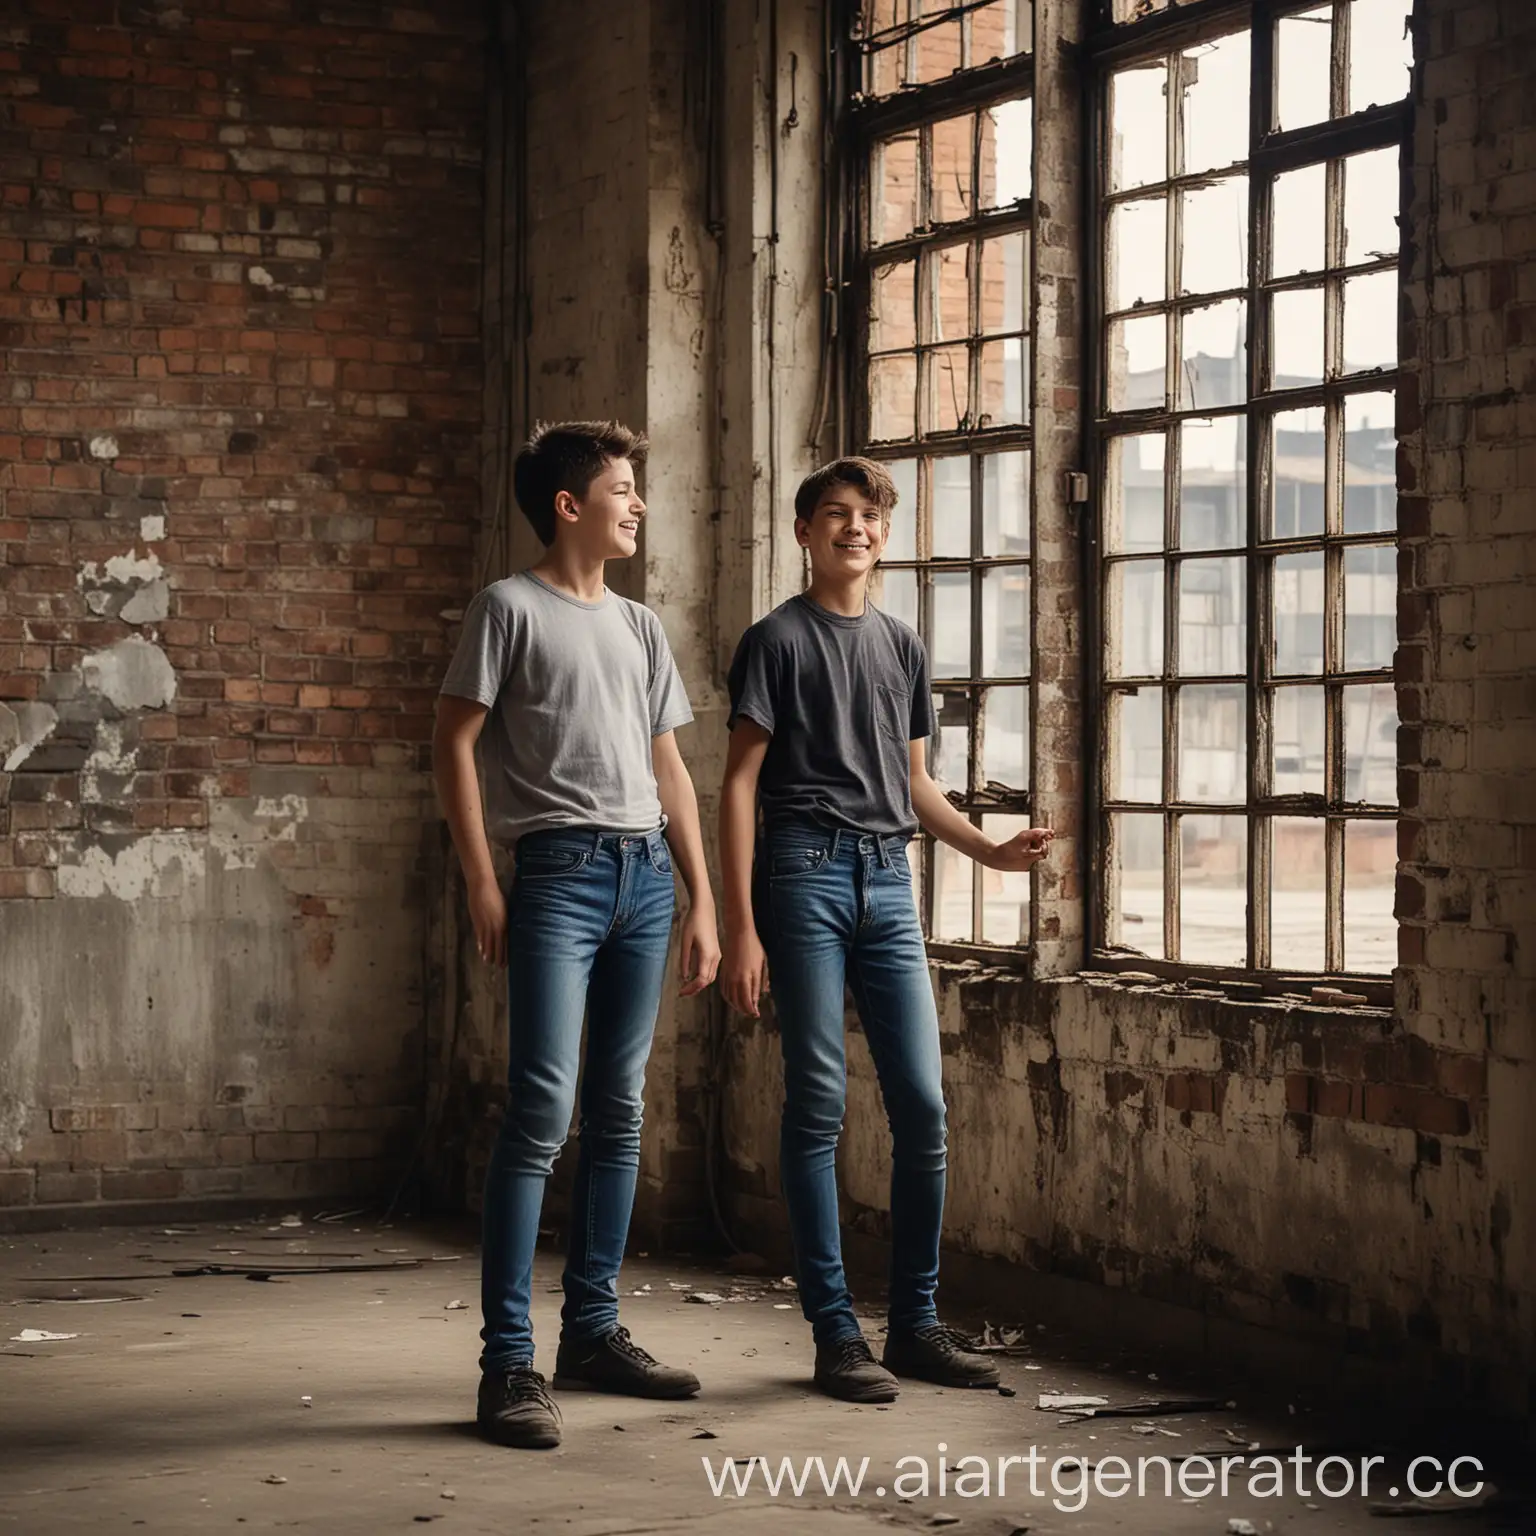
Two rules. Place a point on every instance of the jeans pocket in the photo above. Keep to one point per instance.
(786, 860)
(661, 857)
(550, 863)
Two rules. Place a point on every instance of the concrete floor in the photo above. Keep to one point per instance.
(344, 1403)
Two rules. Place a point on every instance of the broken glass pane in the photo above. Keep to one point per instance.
(1370, 322)
(1004, 382)
(1005, 503)
(949, 275)
(1007, 152)
(1215, 254)
(1138, 253)
(1138, 126)
(948, 389)
(1213, 370)
(951, 194)
(892, 315)
(892, 395)
(1303, 67)
(937, 52)
(1216, 92)
(1380, 52)
(1371, 201)
(1299, 222)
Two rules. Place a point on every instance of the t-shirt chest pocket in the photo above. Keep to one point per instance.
(893, 711)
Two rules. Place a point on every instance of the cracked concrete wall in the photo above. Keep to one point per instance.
(238, 429)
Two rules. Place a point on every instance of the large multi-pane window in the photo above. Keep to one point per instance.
(1249, 243)
(945, 145)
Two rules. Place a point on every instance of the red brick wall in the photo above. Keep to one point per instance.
(240, 409)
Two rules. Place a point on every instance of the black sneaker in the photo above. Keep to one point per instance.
(515, 1408)
(615, 1363)
(941, 1355)
(847, 1369)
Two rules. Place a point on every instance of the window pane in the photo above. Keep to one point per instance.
(951, 642)
(951, 894)
(882, 70)
(1303, 67)
(1213, 483)
(892, 315)
(1370, 322)
(1136, 745)
(937, 52)
(1138, 351)
(1004, 382)
(1213, 890)
(1370, 463)
(1370, 745)
(1370, 869)
(1370, 606)
(1004, 284)
(1298, 894)
(1300, 741)
(1296, 338)
(1138, 253)
(902, 543)
(948, 751)
(1380, 52)
(1214, 365)
(1133, 507)
(1298, 616)
(1005, 504)
(1299, 222)
(998, 31)
(1138, 126)
(948, 388)
(1135, 619)
(950, 193)
(949, 532)
(1135, 915)
(1371, 202)
(1216, 88)
(1007, 150)
(1213, 734)
(1215, 254)
(1298, 471)
(949, 298)
(893, 210)
(1005, 738)
(1004, 894)
(897, 595)
(1213, 603)
(892, 395)
(1005, 621)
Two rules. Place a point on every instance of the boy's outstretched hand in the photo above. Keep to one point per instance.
(700, 952)
(1022, 851)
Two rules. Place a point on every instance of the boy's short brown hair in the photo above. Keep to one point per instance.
(568, 456)
(870, 479)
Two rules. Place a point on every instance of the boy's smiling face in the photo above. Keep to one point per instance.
(845, 534)
(606, 521)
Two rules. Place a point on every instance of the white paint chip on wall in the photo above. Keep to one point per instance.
(133, 674)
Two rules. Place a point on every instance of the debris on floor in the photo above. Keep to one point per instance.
(40, 1336)
(704, 1298)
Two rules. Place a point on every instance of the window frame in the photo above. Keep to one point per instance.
(867, 122)
(1270, 152)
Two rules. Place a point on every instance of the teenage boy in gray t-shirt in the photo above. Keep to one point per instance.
(572, 696)
(830, 713)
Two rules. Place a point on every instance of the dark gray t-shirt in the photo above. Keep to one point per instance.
(842, 697)
(576, 692)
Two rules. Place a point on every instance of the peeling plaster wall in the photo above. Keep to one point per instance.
(239, 413)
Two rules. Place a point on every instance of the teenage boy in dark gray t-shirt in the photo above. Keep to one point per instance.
(829, 716)
(571, 693)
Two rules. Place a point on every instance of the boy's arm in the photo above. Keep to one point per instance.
(674, 788)
(457, 728)
(1022, 851)
(744, 972)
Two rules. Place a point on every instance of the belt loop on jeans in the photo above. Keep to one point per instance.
(837, 843)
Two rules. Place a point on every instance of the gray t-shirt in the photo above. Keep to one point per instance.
(575, 691)
(843, 697)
